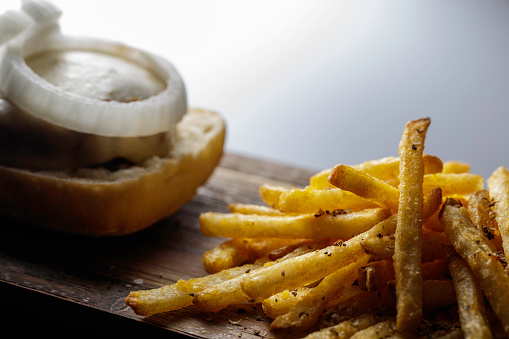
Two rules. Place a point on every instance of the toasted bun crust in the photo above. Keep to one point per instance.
(98, 202)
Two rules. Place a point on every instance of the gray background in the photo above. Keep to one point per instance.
(316, 83)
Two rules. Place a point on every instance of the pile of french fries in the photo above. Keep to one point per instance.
(400, 247)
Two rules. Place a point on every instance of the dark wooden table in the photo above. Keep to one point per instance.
(63, 285)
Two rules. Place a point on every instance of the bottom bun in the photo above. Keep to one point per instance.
(100, 202)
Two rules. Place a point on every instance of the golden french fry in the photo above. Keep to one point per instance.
(498, 186)
(472, 246)
(364, 185)
(309, 200)
(300, 271)
(281, 303)
(270, 194)
(346, 328)
(238, 251)
(180, 294)
(228, 254)
(453, 166)
(481, 214)
(298, 248)
(337, 224)
(408, 244)
(453, 183)
(311, 307)
(313, 266)
(384, 169)
(433, 246)
(470, 298)
(253, 209)
(218, 296)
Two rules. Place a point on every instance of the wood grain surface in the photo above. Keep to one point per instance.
(61, 284)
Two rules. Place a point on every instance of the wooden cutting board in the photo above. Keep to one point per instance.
(60, 284)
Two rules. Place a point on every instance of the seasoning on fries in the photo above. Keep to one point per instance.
(406, 246)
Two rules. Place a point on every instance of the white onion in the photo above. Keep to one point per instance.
(41, 10)
(33, 94)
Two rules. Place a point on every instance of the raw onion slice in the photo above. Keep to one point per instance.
(33, 94)
(12, 23)
(41, 10)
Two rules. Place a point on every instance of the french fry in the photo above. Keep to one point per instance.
(482, 216)
(299, 271)
(253, 209)
(408, 244)
(281, 303)
(346, 328)
(309, 200)
(433, 246)
(364, 185)
(239, 251)
(313, 266)
(311, 307)
(270, 194)
(453, 166)
(384, 169)
(453, 183)
(223, 294)
(471, 307)
(181, 293)
(298, 248)
(498, 186)
(338, 224)
(471, 245)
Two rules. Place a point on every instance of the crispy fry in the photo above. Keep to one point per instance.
(309, 200)
(338, 224)
(498, 186)
(281, 303)
(384, 169)
(180, 294)
(471, 245)
(253, 209)
(347, 328)
(453, 166)
(311, 307)
(408, 244)
(239, 251)
(433, 247)
(364, 185)
(479, 209)
(471, 307)
(316, 265)
(218, 296)
(270, 194)
(453, 183)
(300, 271)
